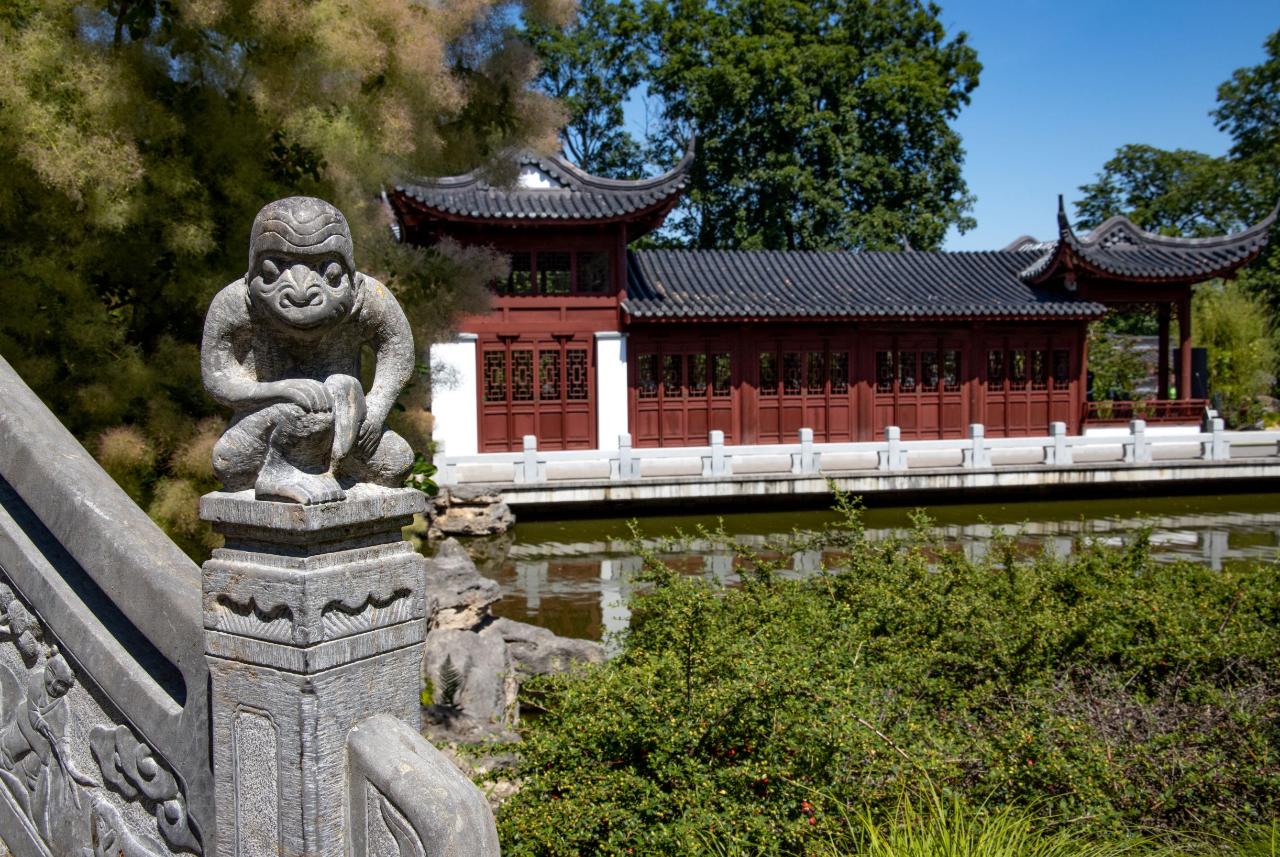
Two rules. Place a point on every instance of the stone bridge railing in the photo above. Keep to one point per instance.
(265, 706)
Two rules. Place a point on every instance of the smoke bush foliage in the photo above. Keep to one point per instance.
(139, 137)
(1103, 690)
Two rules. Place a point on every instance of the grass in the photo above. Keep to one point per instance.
(928, 825)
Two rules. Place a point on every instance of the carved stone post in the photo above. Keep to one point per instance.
(314, 610)
(314, 620)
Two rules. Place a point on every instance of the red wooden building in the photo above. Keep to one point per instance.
(587, 339)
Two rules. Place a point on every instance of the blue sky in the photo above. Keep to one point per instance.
(1064, 84)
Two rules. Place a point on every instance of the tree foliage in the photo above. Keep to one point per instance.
(1116, 369)
(1232, 324)
(820, 124)
(591, 67)
(139, 137)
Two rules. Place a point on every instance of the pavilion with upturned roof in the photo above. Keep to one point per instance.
(588, 339)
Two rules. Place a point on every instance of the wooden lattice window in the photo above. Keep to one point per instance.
(576, 374)
(884, 372)
(593, 273)
(929, 375)
(951, 371)
(495, 376)
(721, 374)
(647, 376)
(1061, 368)
(907, 372)
(1039, 370)
(768, 373)
(671, 376)
(839, 373)
(1017, 369)
(995, 368)
(520, 282)
(554, 272)
(816, 373)
(521, 375)
(697, 374)
(549, 374)
(792, 373)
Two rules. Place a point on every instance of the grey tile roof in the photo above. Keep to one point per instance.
(715, 284)
(570, 194)
(1120, 250)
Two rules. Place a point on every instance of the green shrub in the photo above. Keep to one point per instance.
(1106, 690)
(1236, 328)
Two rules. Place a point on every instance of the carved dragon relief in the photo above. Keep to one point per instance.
(46, 721)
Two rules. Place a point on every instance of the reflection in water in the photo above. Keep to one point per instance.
(574, 577)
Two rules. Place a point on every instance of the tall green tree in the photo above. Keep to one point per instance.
(820, 124)
(591, 67)
(139, 137)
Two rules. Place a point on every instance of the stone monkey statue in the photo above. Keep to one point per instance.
(282, 349)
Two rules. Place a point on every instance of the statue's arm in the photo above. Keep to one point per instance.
(392, 340)
(222, 351)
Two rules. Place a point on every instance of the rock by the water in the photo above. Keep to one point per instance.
(462, 596)
(472, 672)
(475, 661)
(469, 511)
(537, 651)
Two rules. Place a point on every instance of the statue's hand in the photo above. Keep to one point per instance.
(368, 437)
(305, 393)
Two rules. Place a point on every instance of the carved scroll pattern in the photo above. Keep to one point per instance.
(339, 619)
(49, 743)
(253, 620)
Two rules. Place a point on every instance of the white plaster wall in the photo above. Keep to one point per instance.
(611, 389)
(454, 396)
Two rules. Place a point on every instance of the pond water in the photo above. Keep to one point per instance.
(573, 577)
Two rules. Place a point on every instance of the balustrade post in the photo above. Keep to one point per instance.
(530, 469)
(976, 454)
(1218, 448)
(1057, 452)
(446, 470)
(806, 461)
(1137, 450)
(892, 456)
(716, 464)
(624, 466)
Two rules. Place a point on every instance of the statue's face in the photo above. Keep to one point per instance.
(57, 679)
(302, 292)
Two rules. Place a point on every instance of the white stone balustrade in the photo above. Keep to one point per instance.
(1137, 447)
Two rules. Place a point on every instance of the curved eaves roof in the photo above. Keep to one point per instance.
(578, 196)
(1119, 249)
(739, 284)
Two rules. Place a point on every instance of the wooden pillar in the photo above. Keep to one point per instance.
(1079, 401)
(1162, 373)
(1184, 345)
